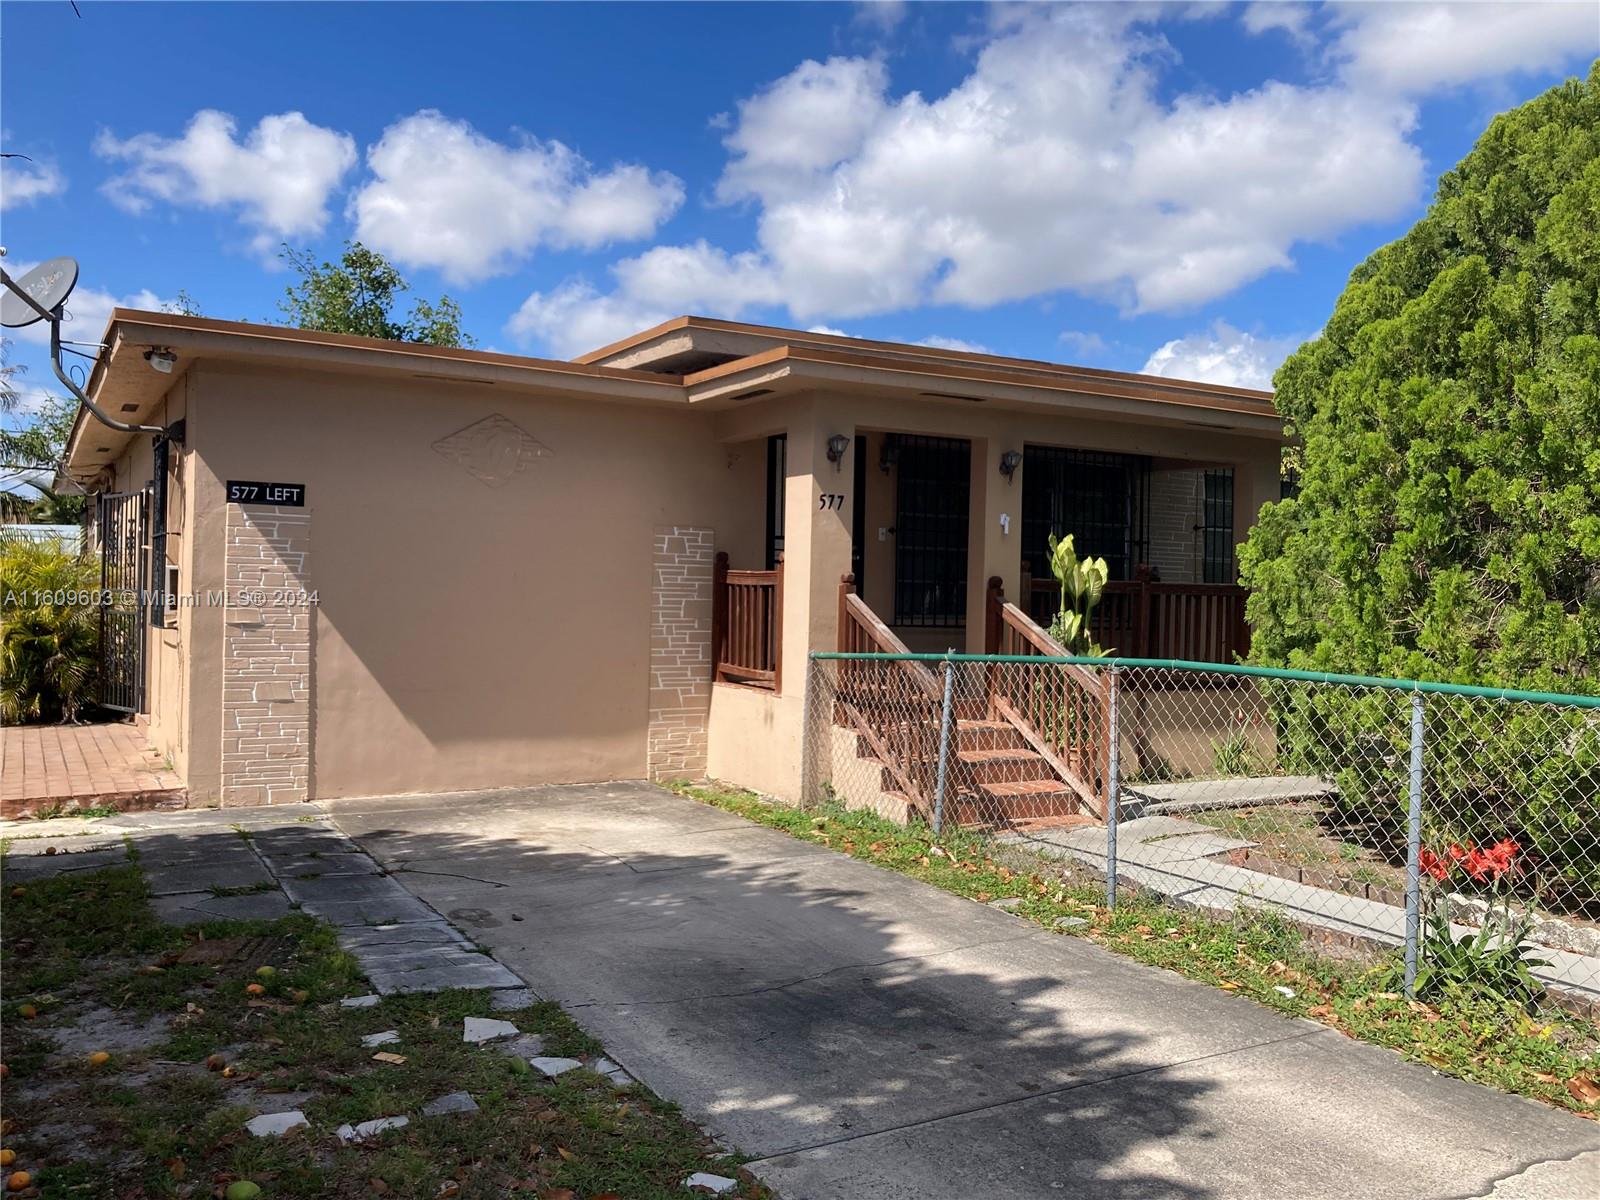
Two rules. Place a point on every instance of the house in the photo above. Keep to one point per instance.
(358, 567)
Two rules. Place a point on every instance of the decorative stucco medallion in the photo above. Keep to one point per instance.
(495, 450)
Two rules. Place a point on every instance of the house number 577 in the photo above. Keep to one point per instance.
(831, 500)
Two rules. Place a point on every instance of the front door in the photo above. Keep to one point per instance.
(933, 484)
(123, 521)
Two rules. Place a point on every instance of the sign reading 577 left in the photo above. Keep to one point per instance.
(285, 495)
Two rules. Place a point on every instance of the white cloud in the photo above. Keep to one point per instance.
(1224, 355)
(575, 318)
(279, 178)
(443, 195)
(1083, 343)
(1416, 48)
(881, 16)
(88, 310)
(1286, 16)
(1066, 161)
(949, 343)
(23, 182)
(829, 330)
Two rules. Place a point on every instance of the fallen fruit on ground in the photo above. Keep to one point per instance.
(242, 1189)
(7, 1157)
(18, 891)
(18, 1180)
(301, 995)
(255, 989)
(99, 1058)
(215, 1062)
(27, 1012)
(266, 972)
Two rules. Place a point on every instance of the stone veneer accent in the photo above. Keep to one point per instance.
(680, 652)
(266, 669)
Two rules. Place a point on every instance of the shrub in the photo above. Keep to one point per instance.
(1447, 524)
(49, 651)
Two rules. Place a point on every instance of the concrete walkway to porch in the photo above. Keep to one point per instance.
(48, 767)
(862, 1034)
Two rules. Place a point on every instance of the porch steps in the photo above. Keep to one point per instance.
(995, 778)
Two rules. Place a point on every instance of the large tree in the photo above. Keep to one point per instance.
(359, 293)
(1448, 520)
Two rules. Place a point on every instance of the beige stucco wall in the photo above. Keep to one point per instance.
(467, 633)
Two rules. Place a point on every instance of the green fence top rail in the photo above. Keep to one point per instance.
(1178, 664)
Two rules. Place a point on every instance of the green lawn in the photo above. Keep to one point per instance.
(1551, 1057)
(163, 1117)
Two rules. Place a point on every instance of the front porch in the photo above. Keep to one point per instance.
(61, 768)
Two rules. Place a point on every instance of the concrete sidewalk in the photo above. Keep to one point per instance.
(867, 1035)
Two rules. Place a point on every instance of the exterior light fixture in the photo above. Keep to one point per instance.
(1009, 462)
(161, 360)
(837, 445)
(889, 455)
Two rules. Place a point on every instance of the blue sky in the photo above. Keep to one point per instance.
(1179, 188)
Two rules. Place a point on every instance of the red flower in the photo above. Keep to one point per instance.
(1433, 864)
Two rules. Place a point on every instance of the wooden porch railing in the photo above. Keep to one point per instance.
(1061, 710)
(747, 625)
(896, 707)
(1141, 618)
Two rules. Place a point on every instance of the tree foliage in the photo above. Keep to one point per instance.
(1448, 519)
(359, 294)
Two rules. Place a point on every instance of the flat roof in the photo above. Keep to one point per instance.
(697, 362)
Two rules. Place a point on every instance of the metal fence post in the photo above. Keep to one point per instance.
(1113, 788)
(944, 745)
(808, 736)
(1414, 848)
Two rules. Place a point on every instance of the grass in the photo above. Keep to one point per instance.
(1256, 954)
(164, 1116)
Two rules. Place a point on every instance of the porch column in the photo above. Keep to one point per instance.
(992, 550)
(816, 534)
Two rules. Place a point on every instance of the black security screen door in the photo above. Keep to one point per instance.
(124, 533)
(933, 482)
(1098, 498)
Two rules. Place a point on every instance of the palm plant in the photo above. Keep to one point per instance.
(49, 649)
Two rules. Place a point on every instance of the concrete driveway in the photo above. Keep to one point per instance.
(866, 1035)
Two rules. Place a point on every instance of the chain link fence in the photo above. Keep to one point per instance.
(1454, 830)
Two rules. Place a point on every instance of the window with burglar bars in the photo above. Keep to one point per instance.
(1101, 499)
(777, 478)
(1217, 562)
(933, 483)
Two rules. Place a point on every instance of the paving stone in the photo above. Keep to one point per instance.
(717, 1185)
(397, 908)
(1006, 903)
(359, 1001)
(609, 1069)
(276, 1124)
(333, 863)
(414, 935)
(367, 1129)
(342, 889)
(528, 1046)
(435, 971)
(201, 906)
(1070, 922)
(554, 1066)
(174, 879)
(511, 999)
(19, 869)
(373, 1040)
(478, 1030)
(455, 1102)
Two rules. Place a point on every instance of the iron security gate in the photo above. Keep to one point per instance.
(933, 486)
(124, 521)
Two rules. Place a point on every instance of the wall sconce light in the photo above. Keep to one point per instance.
(837, 445)
(889, 453)
(1009, 462)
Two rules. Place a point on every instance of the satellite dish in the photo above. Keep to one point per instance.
(49, 284)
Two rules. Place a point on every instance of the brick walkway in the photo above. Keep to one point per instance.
(82, 766)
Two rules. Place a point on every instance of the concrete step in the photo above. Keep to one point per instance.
(988, 735)
(979, 767)
(1019, 800)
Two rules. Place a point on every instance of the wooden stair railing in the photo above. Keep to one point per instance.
(896, 707)
(1141, 618)
(1062, 710)
(747, 625)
